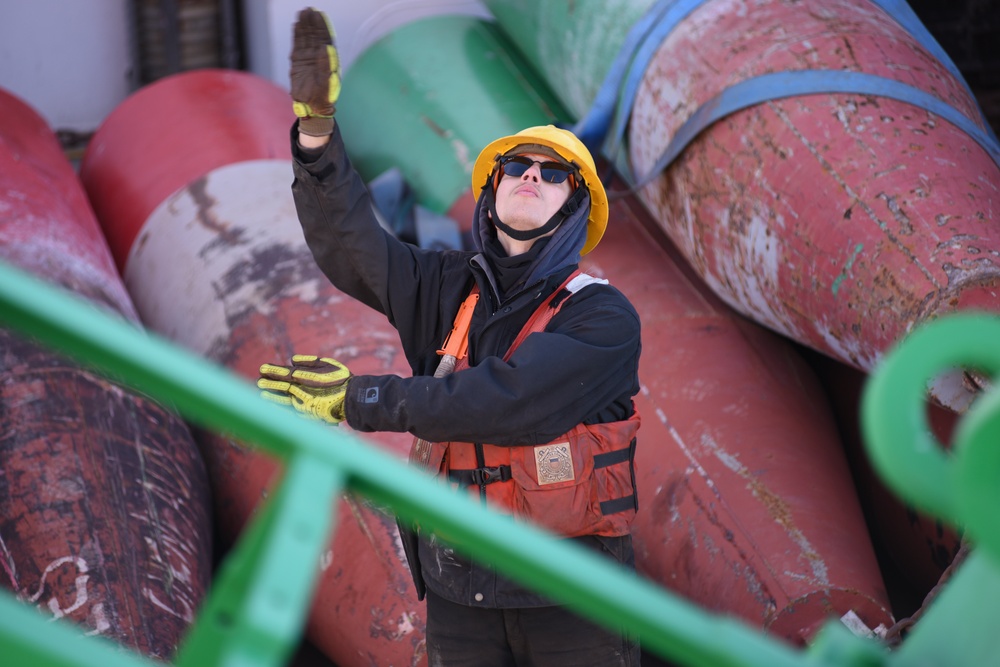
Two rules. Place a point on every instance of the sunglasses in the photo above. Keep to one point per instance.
(552, 172)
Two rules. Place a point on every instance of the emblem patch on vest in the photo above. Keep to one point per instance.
(554, 463)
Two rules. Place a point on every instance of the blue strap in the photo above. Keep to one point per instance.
(593, 127)
(905, 17)
(613, 102)
(615, 97)
(778, 85)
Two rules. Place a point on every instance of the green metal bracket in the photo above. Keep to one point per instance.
(244, 598)
(255, 612)
(959, 628)
(256, 608)
(961, 487)
(29, 638)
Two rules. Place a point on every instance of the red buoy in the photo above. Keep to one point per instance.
(746, 502)
(105, 517)
(828, 173)
(214, 258)
(840, 219)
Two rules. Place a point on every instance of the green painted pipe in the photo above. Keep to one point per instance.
(571, 44)
(429, 96)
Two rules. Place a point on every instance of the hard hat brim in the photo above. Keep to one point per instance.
(597, 221)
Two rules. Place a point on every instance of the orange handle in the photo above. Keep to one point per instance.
(457, 342)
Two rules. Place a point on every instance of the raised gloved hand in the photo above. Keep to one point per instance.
(315, 386)
(314, 73)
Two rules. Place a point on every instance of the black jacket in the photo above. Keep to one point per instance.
(584, 368)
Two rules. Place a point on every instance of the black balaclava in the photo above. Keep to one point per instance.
(546, 256)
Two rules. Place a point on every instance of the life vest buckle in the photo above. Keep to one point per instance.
(490, 474)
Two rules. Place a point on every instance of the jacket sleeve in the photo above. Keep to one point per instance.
(340, 228)
(586, 361)
(359, 257)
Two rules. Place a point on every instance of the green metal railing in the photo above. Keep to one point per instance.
(255, 610)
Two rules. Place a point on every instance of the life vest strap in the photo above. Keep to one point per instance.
(623, 504)
(547, 310)
(613, 457)
(480, 476)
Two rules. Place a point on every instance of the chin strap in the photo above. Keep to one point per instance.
(571, 206)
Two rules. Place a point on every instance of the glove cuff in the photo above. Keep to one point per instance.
(316, 126)
(339, 410)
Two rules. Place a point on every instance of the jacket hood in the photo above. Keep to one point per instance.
(562, 250)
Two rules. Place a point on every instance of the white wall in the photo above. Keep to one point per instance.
(70, 60)
(358, 24)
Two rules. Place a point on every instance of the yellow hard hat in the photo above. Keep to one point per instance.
(570, 149)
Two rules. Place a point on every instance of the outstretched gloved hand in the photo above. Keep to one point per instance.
(314, 73)
(315, 386)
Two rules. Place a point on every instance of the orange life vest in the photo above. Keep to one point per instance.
(581, 483)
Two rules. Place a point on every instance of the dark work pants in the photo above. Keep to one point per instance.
(461, 636)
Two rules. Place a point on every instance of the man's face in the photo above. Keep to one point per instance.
(528, 201)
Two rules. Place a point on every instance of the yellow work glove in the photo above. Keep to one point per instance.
(314, 73)
(315, 386)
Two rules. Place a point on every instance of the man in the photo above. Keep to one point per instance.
(536, 418)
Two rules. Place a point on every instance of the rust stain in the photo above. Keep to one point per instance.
(905, 226)
(748, 573)
(842, 183)
(435, 128)
(205, 203)
(777, 509)
(275, 270)
(742, 568)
